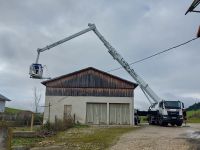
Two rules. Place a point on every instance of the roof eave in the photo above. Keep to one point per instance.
(5, 100)
(59, 77)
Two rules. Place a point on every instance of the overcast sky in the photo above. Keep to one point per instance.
(135, 28)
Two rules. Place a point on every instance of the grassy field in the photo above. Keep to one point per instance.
(143, 119)
(193, 116)
(12, 110)
(79, 137)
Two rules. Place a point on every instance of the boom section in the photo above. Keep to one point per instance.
(143, 85)
(62, 41)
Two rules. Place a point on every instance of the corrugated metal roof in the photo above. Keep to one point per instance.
(3, 98)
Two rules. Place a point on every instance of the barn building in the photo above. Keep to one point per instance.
(92, 96)
(3, 100)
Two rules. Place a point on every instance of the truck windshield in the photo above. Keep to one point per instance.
(172, 104)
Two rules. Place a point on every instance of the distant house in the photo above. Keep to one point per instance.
(92, 96)
(3, 100)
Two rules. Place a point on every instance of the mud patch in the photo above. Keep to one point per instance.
(193, 134)
(194, 144)
(194, 139)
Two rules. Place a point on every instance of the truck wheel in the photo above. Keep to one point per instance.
(165, 124)
(172, 124)
(179, 124)
(160, 122)
(157, 122)
(150, 121)
(136, 121)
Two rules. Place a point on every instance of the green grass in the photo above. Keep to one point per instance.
(29, 142)
(143, 119)
(35, 128)
(81, 126)
(92, 138)
(79, 137)
(12, 110)
(193, 116)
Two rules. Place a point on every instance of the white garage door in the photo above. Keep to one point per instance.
(119, 114)
(96, 113)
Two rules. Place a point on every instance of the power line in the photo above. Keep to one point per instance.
(155, 54)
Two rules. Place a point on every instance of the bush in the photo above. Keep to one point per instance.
(59, 125)
(38, 118)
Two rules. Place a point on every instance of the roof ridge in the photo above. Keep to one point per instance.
(85, 69)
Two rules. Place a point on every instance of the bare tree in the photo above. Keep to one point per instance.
(37, 98)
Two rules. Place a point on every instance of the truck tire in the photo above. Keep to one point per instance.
(172, 124)
(150, 121)
(179, 123)
(165, 123)
(160, 122)
(136, 121)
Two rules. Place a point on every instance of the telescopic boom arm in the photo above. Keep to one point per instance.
(143, 85)
(62, 41)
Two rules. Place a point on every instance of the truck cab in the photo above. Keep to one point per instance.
(170, 112)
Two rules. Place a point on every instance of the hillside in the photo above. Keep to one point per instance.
(12, 110)
(193, 113)
(195, 106)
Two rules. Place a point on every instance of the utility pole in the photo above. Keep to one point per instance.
(32, 120)
(49, 106)
(37, 98)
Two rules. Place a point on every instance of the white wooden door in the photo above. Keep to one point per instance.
(119, 114)
(96, 113)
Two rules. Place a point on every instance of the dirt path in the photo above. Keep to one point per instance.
(161, 138)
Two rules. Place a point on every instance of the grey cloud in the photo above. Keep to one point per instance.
(135, 28)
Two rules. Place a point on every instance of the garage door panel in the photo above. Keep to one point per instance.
(96, 113)
(119, 114)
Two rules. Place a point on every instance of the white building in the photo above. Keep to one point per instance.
(3, 100)
(92, 96)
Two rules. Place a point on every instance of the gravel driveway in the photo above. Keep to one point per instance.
(161, 138)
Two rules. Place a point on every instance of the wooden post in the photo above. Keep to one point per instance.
(74, 119)
(9, 137)
(49, 112)
(56, 123)
(32, 121)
